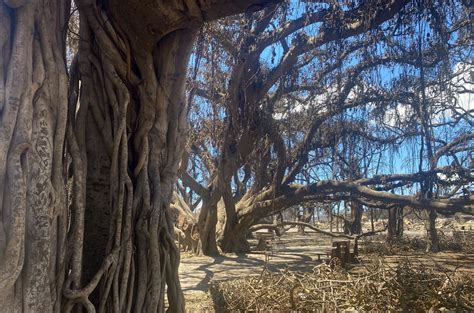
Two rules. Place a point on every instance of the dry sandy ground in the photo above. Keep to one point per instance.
(292, 251)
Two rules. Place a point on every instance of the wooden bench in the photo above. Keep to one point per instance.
(326, 253)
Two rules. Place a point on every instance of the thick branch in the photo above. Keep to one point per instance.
(190, 182)
(281, 224)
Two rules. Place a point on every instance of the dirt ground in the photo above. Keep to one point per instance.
(291, 251)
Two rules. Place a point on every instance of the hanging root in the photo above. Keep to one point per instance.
(81, 295)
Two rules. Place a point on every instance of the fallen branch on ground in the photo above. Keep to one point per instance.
(276, 228)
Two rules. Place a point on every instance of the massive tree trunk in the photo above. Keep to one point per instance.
(246, 212)
(235, 238)
(33, 111)
(130, 131)
(207, 227)
(231, 239)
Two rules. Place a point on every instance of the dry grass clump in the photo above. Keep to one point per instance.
(409, 287)
(378, 245)
(460, 241)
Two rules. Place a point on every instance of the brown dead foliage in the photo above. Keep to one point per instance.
(409, 286)
(448, 242)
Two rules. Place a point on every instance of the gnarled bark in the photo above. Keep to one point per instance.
(235, 238)
(132, 91)
(33, 111)
(186, 222)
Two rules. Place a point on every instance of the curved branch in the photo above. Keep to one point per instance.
(454, 205)
(282, 224)
(352, 28)
(190, 182)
